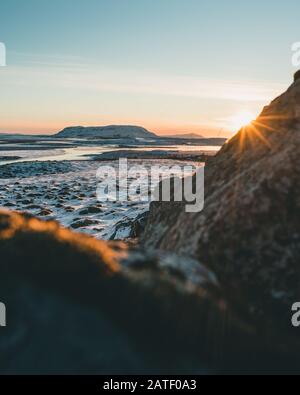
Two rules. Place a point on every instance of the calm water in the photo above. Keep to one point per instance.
(83, 153)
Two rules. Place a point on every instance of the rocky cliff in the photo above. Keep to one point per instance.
(249, 230)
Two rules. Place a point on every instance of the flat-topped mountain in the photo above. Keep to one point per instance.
(112, 131)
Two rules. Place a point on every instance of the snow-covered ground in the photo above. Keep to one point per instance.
(66, 191)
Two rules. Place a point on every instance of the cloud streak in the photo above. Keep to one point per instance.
(60, 73)
(44, 92)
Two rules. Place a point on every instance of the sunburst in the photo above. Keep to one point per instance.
(242, 119)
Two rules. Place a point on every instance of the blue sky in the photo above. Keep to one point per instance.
(169, 65)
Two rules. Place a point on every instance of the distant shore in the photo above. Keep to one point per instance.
(201, 155)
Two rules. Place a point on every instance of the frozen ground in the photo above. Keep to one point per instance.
(66, 191)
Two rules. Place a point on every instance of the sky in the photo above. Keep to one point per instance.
(172, 66)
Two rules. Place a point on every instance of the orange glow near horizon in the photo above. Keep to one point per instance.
(260, 129)
(242, 119)
(159, 129)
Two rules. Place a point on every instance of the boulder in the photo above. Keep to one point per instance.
(249, 230)
(79, 305)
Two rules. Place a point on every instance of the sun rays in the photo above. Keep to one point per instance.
(242, 119)
(259, 129)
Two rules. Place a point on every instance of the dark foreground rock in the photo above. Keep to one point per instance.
(249, 230)
(130, 228)
(78, 305)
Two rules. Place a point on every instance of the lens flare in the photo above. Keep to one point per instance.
(242, 119)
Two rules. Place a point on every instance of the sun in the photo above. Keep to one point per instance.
(242, 119)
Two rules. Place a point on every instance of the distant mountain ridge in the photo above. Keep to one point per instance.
(185, 136)
(111, 131)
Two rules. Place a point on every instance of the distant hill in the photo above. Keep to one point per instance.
(112, 131)
(186, 136)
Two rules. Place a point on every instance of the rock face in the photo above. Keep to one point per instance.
(113, 131)
(249, 230)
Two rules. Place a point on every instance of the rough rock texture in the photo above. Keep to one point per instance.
(78, 305)
(131, 228)
(112, 131)
(249, 230)
(297, 75)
